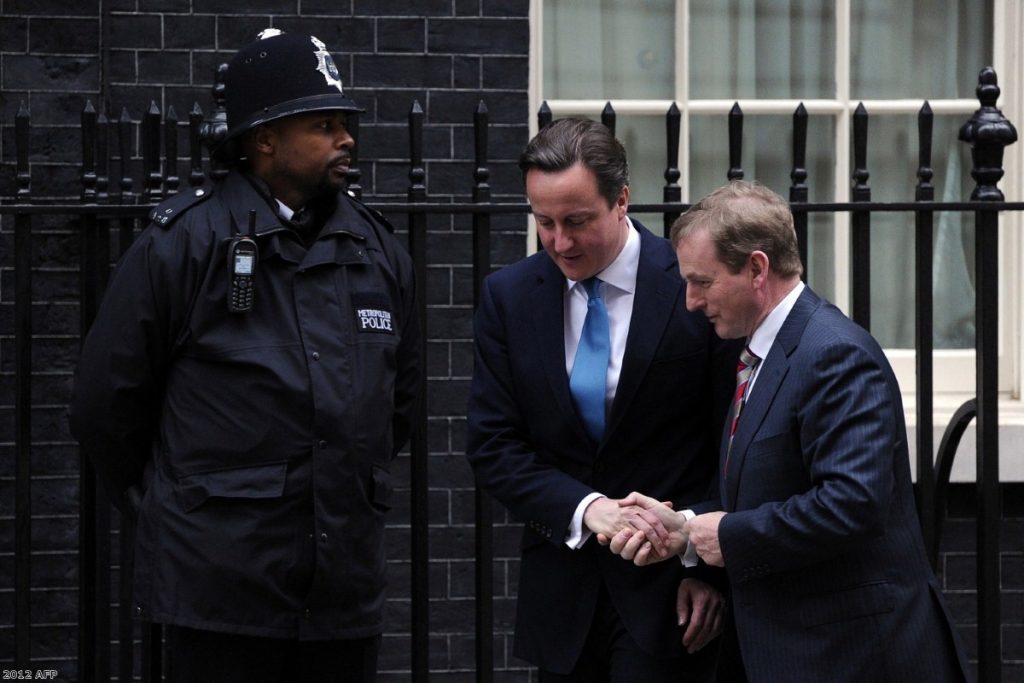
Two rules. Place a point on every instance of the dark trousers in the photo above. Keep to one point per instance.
(730, 660)
(610, 655)
(195, 656)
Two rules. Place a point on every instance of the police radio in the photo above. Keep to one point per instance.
(243, 255)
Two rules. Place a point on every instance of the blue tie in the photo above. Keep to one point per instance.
(590, 368)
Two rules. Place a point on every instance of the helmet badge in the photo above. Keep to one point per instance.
(325, 64)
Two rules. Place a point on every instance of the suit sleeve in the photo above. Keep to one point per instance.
(839, 451)
(500, 447)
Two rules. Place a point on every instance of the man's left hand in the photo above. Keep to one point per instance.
(700, 608)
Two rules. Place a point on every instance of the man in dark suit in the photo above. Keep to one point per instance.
(815, 522)
(558, 457)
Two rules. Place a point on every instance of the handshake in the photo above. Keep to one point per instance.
(644, 530)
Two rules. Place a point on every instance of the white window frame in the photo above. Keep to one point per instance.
(954, 374)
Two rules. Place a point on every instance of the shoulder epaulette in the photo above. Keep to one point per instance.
(370, 214)
(167, 211)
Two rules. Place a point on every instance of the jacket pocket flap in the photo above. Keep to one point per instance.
(262, 481)
(849, 603)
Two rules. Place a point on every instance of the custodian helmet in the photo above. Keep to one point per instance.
(279, 75)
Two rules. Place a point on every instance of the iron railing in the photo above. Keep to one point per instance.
(105, 215)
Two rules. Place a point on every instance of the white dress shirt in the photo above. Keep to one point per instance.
(761, 341)
(617, 288)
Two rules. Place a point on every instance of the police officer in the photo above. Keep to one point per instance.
(251, 371)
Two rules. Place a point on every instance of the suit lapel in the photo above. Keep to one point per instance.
(654, 302)
(773, 371)
(546, 311)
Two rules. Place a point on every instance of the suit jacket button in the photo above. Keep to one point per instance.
(599, 466)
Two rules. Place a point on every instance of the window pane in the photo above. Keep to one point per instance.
(894, 178)
(604, 49)
(768, 158)
(777, 49)
(919, 48)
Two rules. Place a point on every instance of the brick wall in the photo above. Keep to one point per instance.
(124, 55)
(447, 55)
(958, 576)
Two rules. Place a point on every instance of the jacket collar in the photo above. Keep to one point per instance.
(345, 225)
(657, 296)
(773, 371)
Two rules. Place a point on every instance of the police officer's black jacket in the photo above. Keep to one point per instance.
(262, 440)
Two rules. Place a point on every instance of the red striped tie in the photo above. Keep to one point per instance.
(744, 371)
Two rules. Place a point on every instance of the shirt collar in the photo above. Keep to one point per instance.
(760, 343)
(284, 210)
(621, 273)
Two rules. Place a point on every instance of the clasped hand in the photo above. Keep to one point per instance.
(608, 518)
(637, 527)
(634, 541)
(631, 544)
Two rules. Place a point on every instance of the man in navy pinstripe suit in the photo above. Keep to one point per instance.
(815, 521)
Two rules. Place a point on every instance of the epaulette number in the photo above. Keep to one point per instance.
(165, 213)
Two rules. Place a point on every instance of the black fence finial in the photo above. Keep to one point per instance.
(354, 176)
(417, 173)
(735, 171)
(481, 173)
(798, 190)
(151, 177)
(171, 178)
(544, 115)
(124, 147)
(21, 138)
(925, 191)
(988, 132)
(195, 125)
(672, 193)
(608, 117)
(102, 157)
(215, 128)
(89, 152)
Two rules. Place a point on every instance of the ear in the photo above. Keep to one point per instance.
(264, 139)
(622, 203)
(759, 267)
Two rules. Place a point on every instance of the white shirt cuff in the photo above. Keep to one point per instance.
(689, 556)
(576, 535)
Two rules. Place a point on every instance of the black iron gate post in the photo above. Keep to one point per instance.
(988, 132)
(23, 402)
(483, 505)
(94, 548)
(418, 451)
(924, 245)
